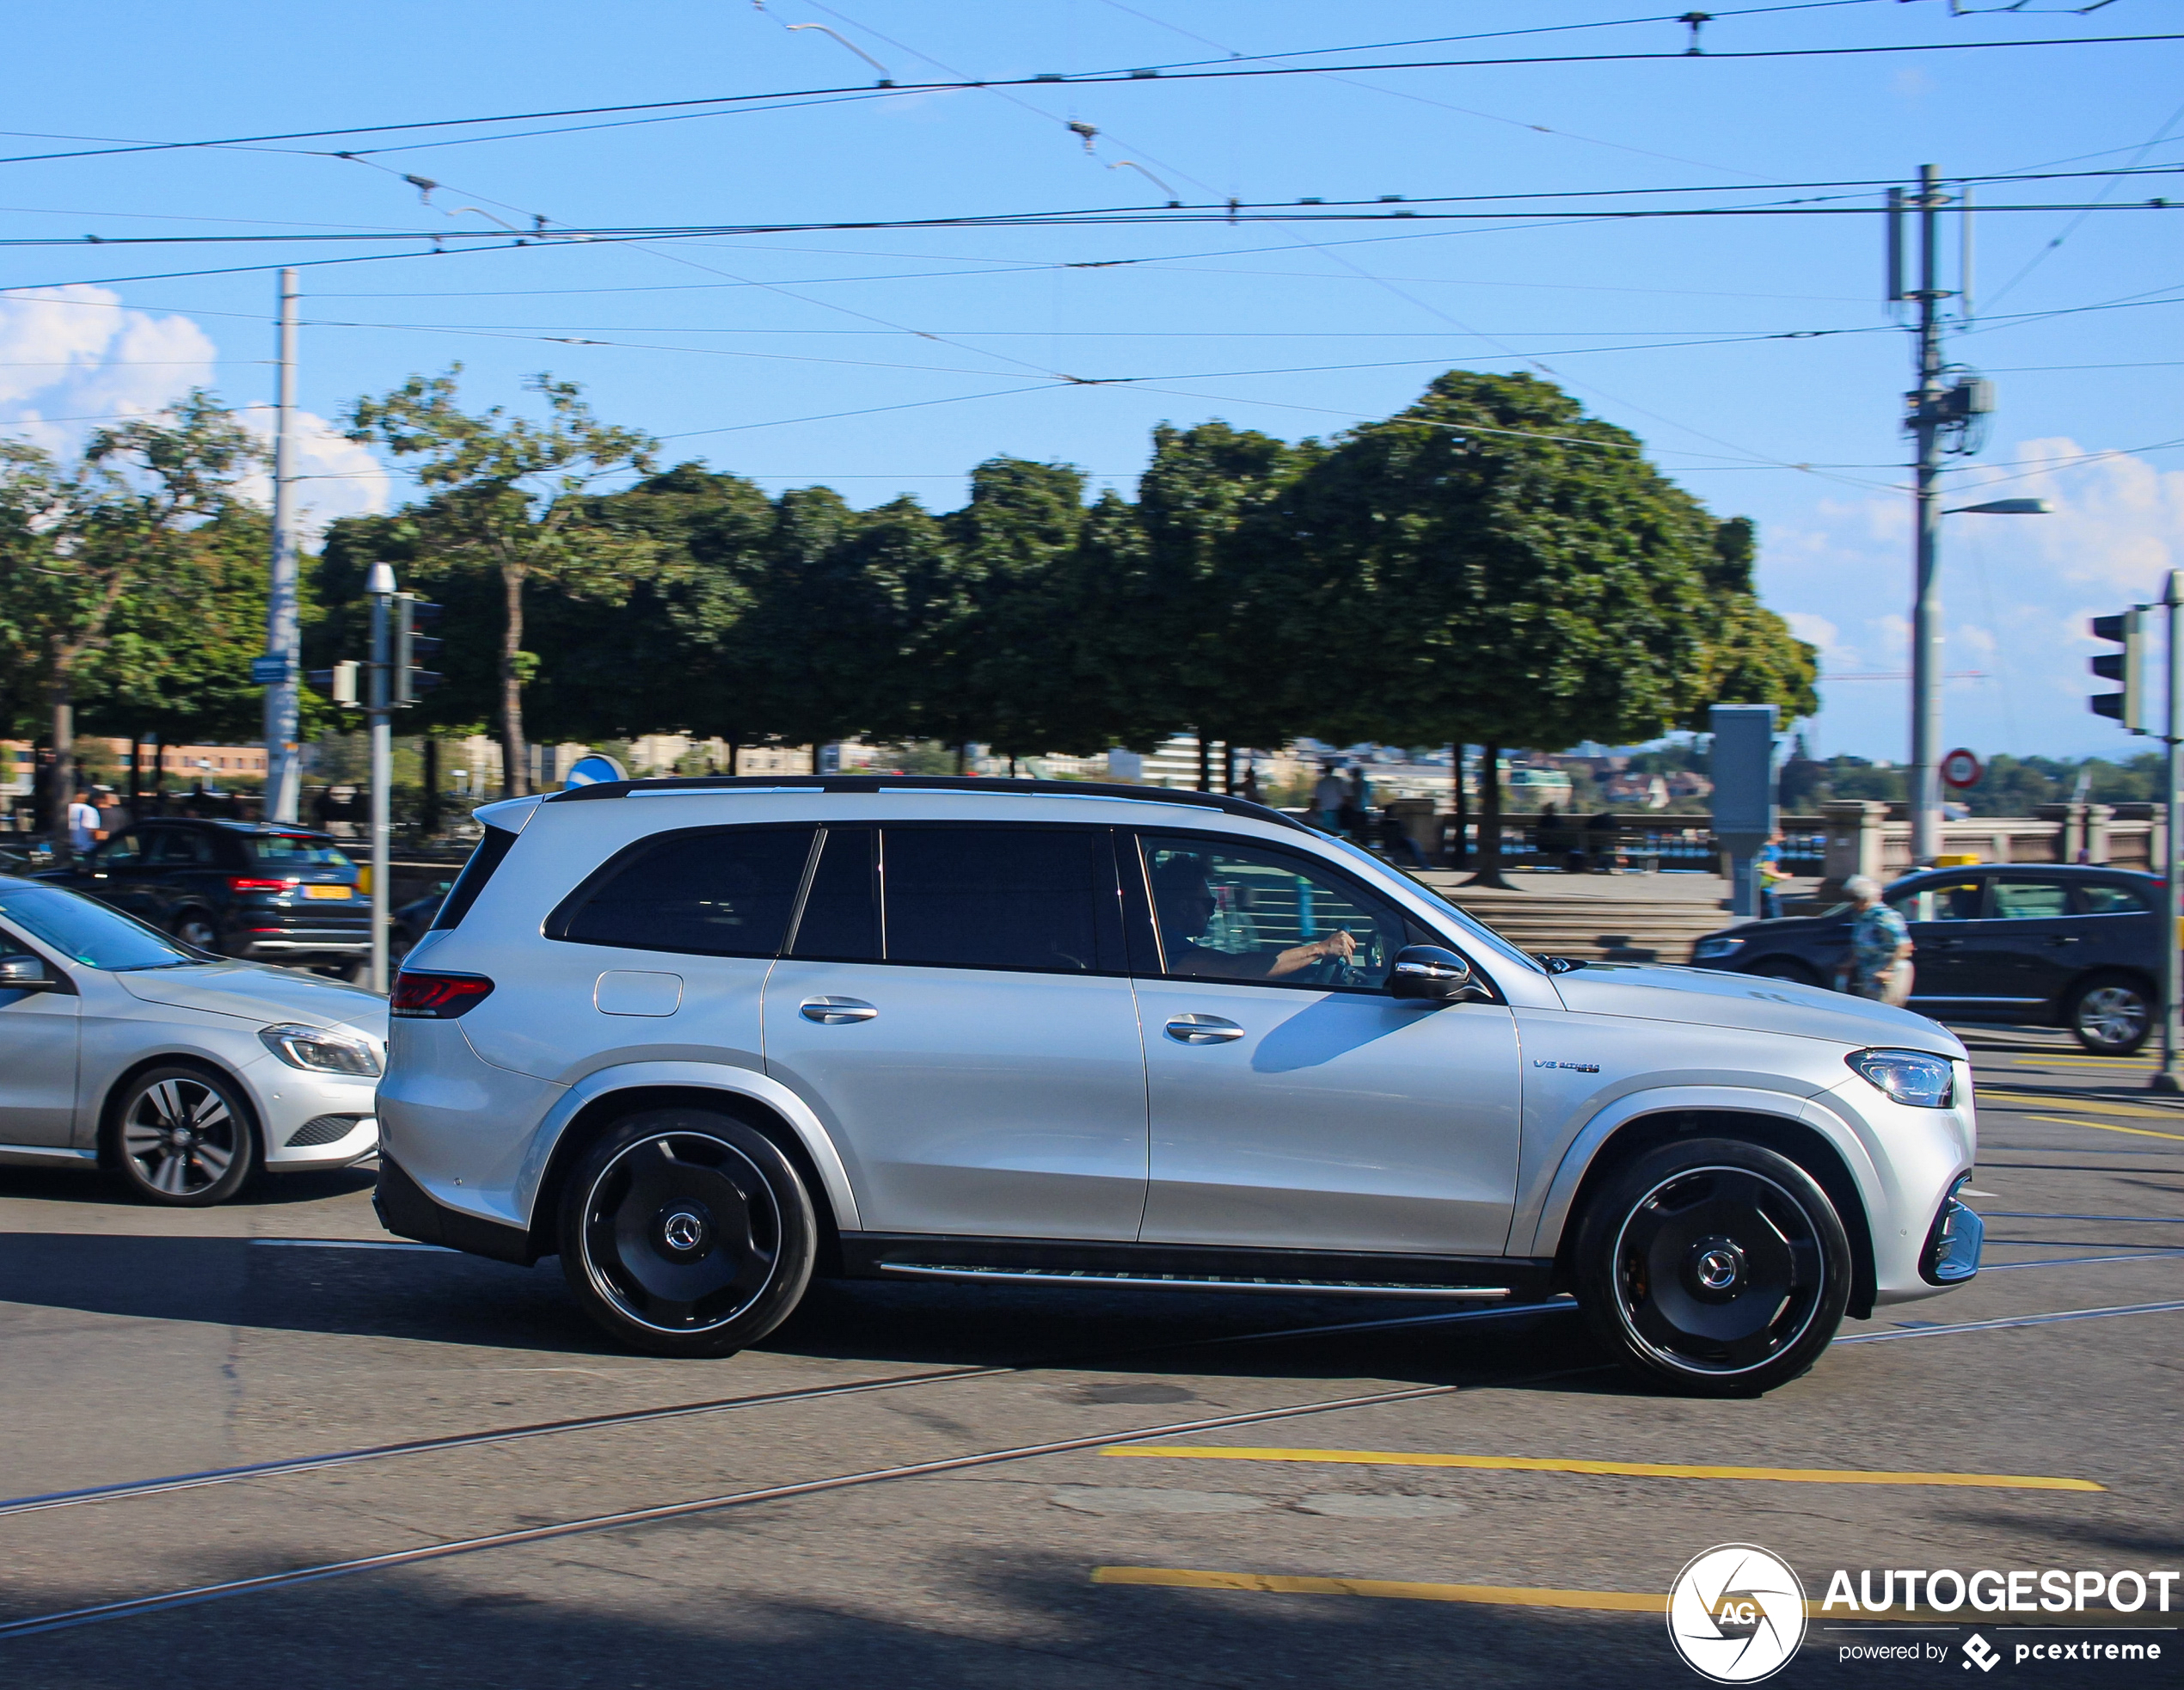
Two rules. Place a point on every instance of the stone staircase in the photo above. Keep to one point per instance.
(1597, 928)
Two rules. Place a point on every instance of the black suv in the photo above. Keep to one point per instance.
(2054, 946)
(264, 892)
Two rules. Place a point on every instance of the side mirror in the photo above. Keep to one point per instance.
(24, 973)
(1433, 974)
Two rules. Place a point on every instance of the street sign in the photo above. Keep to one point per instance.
(268, 671)
(1961, 769)
(592, 769)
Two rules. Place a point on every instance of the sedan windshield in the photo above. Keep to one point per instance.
(89, 933)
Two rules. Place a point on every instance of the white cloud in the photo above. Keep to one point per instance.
(72, 358)
(2016, 594)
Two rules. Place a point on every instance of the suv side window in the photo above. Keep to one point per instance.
(1942, 901)
(1040, 900)
(710, 891)
(2023, 900)
(841, 917)
(2107, 898)
(178, 848)
(121, 851)
(1244, 912)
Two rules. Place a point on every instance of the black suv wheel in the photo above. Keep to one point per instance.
(685, 1232)
(2111, 1014)
(1717, 1265)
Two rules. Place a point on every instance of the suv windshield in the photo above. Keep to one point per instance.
(89, 933)
(295, 850)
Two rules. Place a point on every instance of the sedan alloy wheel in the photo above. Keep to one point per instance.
(179, 1136)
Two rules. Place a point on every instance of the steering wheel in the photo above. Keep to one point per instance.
(1331, 971)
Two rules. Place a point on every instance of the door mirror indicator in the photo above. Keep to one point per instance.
(1430, 973)
(24, 973)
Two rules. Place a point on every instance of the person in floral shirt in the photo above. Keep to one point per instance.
(1879, 965)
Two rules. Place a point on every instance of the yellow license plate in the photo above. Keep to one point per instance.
(326, 891)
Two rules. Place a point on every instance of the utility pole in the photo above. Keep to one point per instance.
(379, 707)
(284, 769)
(1925, 422)
(2167, 1078)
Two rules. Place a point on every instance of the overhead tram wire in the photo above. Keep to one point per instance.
(726, 102)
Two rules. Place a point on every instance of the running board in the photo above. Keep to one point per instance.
(1310, 1287)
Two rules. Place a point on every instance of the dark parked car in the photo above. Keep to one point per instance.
(260, 891)
(2050, 946)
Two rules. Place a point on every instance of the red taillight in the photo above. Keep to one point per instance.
(437, 996)
(246, 883)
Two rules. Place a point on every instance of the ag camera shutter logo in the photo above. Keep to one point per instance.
(1736, 1613)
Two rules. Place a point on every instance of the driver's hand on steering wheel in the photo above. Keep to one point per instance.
(1341, 944)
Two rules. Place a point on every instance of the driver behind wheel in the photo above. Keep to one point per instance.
(1196, 940)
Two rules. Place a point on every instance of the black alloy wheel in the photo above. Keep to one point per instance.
(685, 1232)
(1715, 1264)
(2111, 1014)
(179, 1136)
(195, 927)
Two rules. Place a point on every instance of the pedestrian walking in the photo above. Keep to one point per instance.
(1767, 868)
(1356, 813)
(1879, 965)
(1328, 796)
(85, 826)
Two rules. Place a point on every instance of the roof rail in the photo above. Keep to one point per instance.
(867, 783)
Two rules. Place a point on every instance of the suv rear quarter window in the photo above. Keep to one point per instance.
(707, 892)
(1038, 899)
(2109, 898)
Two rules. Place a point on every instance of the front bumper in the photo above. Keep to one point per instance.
(1915, 1160)
(314, 1121)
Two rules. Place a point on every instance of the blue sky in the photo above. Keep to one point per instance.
(958, 344)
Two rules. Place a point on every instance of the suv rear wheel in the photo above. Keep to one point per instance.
(1717, 1265)
(685, 1232)
(2111, 1014)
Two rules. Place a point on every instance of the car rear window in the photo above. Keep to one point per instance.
(714, 892)
(2030, 900)
(841, 917)
(2109, 899)
(297, 851)
(1024, 898)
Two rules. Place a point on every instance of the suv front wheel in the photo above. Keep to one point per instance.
(1717, 1265)
(687, 1234)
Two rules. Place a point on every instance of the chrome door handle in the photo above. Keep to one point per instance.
(1202, 1030)
(2067, 939)
(835, 1011)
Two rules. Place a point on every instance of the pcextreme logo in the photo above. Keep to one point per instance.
(1736, 1613)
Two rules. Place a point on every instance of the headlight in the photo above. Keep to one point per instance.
(1709, 950)
(1908, 1076)
(321, 1049)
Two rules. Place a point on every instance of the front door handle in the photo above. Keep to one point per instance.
(2064, 938)
(1202, 1030)
(836, 1011)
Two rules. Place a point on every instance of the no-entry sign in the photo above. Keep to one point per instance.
(1961, 769)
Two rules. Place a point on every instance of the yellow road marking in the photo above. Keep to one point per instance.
(2098, 1105)
(1500, 1595)
(1542, 1464)
(1506, 1595)
(2106, 1127)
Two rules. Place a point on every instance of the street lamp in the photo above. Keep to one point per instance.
(1926, 688)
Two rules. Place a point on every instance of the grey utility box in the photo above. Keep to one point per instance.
(1743, 792)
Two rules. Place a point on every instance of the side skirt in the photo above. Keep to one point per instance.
(1169, 1267)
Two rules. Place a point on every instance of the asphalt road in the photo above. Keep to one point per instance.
(141, 1344)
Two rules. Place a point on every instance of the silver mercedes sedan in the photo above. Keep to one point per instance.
(180, 1074)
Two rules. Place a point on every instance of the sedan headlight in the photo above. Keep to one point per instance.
(1713, 949)
(319, 1049)
(1907, 1076)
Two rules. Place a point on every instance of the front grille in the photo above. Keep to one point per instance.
(322, 1129)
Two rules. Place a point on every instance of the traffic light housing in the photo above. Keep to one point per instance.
(2127, 629)
(408, 681)
(338, 683)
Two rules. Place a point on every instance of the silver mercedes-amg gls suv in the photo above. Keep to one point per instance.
(708, 1038)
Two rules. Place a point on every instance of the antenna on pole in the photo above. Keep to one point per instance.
(1895, 248)
(1964, 254)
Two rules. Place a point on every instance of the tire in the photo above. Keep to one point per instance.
(195, 927)
(1785, 968)
(2111, 1014)
(181, 1137)
(685, 1232)
(1681, 1214)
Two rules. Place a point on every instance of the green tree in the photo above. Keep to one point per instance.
(505, 503)
(1748, 654)
(104, 570)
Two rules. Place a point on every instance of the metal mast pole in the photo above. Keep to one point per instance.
(284, 771)
(379, 706)
(2166, 1078)
(1926, 602)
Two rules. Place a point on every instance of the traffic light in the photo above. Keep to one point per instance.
(407, 680)
(338, 683)
(2127, 629)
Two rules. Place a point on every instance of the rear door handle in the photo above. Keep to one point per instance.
(836, 1011)
(2064, 938)
(1202, 1030)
